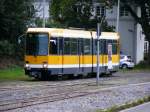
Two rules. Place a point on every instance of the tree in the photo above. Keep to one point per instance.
(75, 13)
(144, 19)
(15, 16)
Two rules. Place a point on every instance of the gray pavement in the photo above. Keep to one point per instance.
(141, 108)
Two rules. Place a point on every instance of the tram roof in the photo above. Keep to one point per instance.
(58, 32)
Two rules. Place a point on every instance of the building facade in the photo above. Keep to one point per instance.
(42, 8)
(132, 39)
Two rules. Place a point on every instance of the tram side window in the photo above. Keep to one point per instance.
(114, 47)
(53, 46)
(103, 46)
(86, 46)
(95, 46)
(60, 42)
(80, 46)
(73, 46)
(67, 46)
(109, 41)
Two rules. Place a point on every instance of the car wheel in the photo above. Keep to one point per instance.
(124, 66)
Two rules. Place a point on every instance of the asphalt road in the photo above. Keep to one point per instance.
(141, 108)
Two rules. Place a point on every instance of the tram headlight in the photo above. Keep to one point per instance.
(27, 66)
(45, 65)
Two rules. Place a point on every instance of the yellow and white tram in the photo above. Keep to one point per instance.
(53, 51)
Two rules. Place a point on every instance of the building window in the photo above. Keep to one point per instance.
(100, 11)
(124, 11)
(146, 46)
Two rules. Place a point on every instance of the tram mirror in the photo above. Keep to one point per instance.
(53, 41)
(21, 38)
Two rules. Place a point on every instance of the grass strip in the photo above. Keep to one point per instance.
(13, 73)
(126, 105)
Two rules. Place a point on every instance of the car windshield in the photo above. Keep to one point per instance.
(129, 57)
(37, 44)
(121, 57)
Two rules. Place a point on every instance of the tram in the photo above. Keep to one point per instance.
(55, 51)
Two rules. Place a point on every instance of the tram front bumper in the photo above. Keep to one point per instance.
(36, 72)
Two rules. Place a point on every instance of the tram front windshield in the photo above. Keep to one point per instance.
(37, 44)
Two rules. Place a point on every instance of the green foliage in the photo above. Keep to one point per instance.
(13, 73)
(76, 13)
(143, 65)
(38, 22)
(51, 24)
(15, 16)
(48, 24)
(6, 48)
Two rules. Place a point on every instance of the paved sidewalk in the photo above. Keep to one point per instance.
(141, 108)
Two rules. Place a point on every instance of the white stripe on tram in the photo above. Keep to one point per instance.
(69, 65)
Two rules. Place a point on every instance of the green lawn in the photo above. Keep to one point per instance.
(17, 73)
(137, 68)
(13, 73)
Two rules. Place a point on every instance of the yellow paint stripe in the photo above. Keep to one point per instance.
(70, 59)
(36, 59)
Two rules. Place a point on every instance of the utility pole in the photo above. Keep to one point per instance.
(98, 35)
(98, 50)
(118, 14)
(43, 13)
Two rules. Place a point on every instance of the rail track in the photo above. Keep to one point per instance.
(57, 97)
(22, 95)
(50, 93)
(41, 100)
(48, 84)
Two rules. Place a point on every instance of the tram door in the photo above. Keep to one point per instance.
(103, 52)
(110, 56)
(56, 57)
(80, 53)
(60, 51)
(85, 56)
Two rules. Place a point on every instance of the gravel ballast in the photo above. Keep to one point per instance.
(105, 98)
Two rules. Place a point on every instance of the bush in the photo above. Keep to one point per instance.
(143, 65)
(11, 50)
(6, 48)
